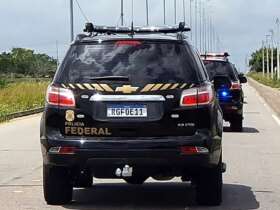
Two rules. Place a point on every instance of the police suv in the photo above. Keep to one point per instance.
(228, 83)
(131, 103)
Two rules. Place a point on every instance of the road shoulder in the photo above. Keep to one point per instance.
(270, 95)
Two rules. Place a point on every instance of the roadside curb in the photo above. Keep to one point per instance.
(269, 94)
(21, 114)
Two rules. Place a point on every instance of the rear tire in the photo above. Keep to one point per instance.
(209, 184)
(236, 125)
(135, 180)
(57, 185)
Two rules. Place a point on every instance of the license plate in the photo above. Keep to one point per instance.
(127, 111)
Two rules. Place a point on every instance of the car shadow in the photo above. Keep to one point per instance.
(245, 130)
(157, 196)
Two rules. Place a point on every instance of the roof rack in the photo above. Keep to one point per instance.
(90, 28)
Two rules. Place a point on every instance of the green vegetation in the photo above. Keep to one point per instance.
(22, 96)
(24, 77)
(258, 76)
(257, 58)
(20, 63)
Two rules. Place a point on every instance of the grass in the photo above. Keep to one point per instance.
(258, 76)
(21, 96)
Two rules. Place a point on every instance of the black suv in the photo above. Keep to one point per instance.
(131, 103)
(228, 84)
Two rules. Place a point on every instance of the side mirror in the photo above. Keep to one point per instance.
(242, 78)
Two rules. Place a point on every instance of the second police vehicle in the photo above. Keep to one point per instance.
(228, 83)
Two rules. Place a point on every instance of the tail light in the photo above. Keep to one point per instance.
(235, 86)
(63, 150)
(190, 150)
(197, 96)
(60, 97)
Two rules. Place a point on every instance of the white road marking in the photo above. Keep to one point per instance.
(276, 119)
(18, 191)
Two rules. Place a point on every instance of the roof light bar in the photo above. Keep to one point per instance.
(90, 28)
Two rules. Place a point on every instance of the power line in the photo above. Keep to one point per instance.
(82, 11)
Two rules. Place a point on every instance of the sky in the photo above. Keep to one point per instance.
(240, 24)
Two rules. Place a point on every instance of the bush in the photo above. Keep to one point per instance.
(22, 96)
(3, 83)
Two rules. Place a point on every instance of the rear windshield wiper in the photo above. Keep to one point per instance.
(109, 78)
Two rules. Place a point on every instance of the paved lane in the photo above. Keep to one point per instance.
(251, 182)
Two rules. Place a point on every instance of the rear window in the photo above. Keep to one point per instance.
(220, 68)
(142, 62)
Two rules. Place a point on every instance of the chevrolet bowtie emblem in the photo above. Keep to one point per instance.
(127, 89)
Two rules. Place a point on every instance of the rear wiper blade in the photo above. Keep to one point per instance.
(110, 78)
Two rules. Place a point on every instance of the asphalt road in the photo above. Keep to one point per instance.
(251, 182)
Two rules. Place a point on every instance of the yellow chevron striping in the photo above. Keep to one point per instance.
(80, 86)
(156, 87)
(72, 86)
(165, 87)
(88, 86)
(97, 87)
(107, 88)
(64, 86)
(147, 88)
(174, 86)
(183, 86)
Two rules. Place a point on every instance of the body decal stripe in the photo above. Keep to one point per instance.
(183, 86)
(107, 88)
(88, 86)
(97, 87)
(72, 86)
(174, 86)
(147, 88)
(165, 87)
(156, 87)
(81, 86)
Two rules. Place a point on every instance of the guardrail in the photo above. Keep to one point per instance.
(21, 114)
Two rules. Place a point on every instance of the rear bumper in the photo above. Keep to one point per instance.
(147, 154)
(231, 108)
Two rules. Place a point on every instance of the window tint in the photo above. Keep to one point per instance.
(220, 68)
(142, 62)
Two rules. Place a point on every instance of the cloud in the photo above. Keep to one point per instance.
(38, 24)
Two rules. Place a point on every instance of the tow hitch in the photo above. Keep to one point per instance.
(125, 172)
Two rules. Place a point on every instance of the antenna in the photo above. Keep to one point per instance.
(132, 10)
(122, 14)
(71, 21)
(147, 12)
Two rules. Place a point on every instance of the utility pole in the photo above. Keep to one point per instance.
(184, 10)
(272, 56)
(71, 21)
(195, 22)
(175, 11)
(267, 55)
(200, 25)
(147, 12)
(263, 63)
(164, 12)
(278, 48)
(191, 19)
(122, 14)
(57, 61)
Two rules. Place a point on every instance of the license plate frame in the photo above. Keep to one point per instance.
(127, 111)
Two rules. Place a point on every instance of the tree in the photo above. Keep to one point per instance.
(257, 59)
(25, 62)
